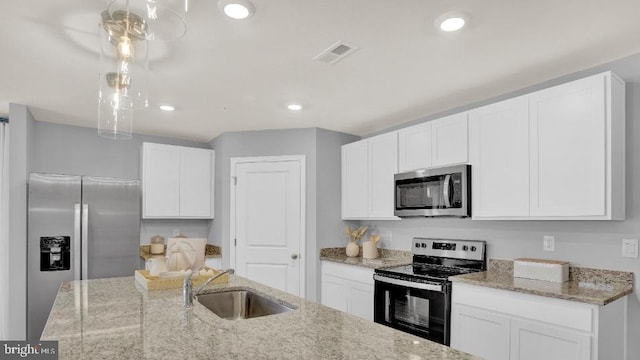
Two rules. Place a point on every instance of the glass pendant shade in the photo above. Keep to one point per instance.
(126, 28)
(115, 122)
(165, 19)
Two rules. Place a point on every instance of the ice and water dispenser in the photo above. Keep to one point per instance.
(55, 253)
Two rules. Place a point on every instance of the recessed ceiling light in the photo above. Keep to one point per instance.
(236, 9)
(167, 108)
(294, 107)
(451, 22)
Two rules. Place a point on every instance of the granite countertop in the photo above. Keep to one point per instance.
(116, 319)
(386, 258)
(210, 251)
(591, 286)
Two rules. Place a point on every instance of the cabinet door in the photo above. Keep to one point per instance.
(481, 333)
(383, 164)
(160, 180)
(499, 157)
(334, 292)
(360, 302)
(196, 182)
(534, 341)
(414, 146)
(355, 190)
(449, 144)
(568, 148)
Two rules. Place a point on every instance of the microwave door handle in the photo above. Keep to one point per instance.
(447, 183)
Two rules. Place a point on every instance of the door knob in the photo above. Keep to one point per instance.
(294, 256)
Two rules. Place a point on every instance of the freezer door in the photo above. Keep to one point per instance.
(111, 227)
(51, 213)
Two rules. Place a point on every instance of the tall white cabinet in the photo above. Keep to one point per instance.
(555, 154)
(368, 167)
(177, 182)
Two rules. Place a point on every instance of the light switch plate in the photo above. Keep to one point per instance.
(548, 243)
(630, 248)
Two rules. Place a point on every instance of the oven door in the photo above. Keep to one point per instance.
(416, 308)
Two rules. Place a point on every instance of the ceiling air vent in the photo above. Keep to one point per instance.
(336, 52)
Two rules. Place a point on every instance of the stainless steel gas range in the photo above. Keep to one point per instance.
(416, 298)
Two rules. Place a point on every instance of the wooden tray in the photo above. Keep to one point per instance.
(156, 283)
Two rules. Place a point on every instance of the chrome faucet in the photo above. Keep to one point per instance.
(187, 287)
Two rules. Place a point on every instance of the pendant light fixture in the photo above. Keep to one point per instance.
(127, 28)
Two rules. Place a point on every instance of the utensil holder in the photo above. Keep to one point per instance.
(369, 250)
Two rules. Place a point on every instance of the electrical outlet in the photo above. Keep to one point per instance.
(630, 248)
(548, 243)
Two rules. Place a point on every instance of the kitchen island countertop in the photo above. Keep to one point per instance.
(116, 319)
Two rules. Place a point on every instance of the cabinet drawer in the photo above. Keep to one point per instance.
(565, 313)
(349, 272)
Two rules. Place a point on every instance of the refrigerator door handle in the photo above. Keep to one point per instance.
(76, 242)
(85, 241)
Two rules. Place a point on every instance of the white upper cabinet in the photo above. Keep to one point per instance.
(555, 154)
(196, 182)
(355, 180)
(177, 182)
(499, 157)
(160, 181)
(449, 143)
(383, 164)
(414, 147)
(574, 133)
(434, 143)
(368, 167)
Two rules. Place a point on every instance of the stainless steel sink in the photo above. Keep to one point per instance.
(240, 304)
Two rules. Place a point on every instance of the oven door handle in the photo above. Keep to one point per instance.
(409, 284)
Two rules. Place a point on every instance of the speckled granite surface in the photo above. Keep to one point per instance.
(592, 286)
(114, 319)
(387, 258)
(210, 251)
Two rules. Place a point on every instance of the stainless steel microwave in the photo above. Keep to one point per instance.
(444, 191)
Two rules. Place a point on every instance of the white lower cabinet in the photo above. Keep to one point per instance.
(347, 288)
(531, 340)
(479, 332)
(499, 324)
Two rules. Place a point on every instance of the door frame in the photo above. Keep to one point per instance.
(301, 159)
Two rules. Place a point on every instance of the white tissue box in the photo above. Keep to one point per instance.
(537, 269)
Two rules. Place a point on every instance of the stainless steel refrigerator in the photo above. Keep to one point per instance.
(79, 227)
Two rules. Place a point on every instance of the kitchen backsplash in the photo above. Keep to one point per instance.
(172, 227)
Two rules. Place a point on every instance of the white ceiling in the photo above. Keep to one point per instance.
(230, 75)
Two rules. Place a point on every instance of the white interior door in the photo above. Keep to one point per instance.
(269, 221)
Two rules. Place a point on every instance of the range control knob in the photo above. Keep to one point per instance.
(417, 245)
(424, 245)
(465, 247)
(473, 248)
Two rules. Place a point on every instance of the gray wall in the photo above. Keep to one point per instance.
(20, 132)
(322, 151)
(594, 244)
(65, 149)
